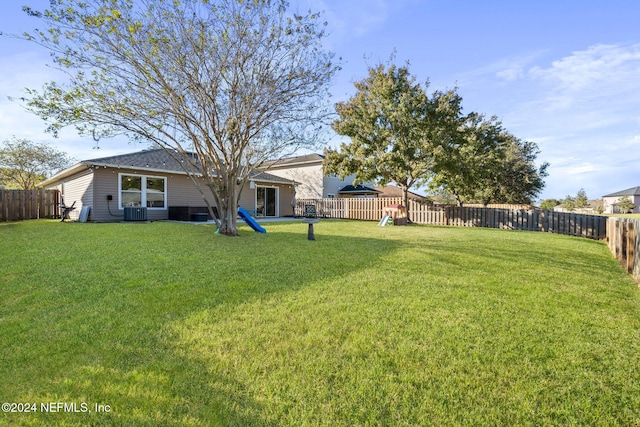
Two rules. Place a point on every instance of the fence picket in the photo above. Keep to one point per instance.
(17, 205)
(624, 243)
(590, 226)
(630, 247)
(622, 235)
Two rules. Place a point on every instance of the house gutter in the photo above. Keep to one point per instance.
(92, 165)
(63, 174)
(136, 168)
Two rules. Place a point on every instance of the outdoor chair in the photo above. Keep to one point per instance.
(66, 210)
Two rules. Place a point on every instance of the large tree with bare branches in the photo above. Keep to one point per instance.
(236, 82)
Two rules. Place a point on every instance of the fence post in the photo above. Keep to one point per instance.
(636, 254)
(630, 246)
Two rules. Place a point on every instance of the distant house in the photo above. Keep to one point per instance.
(311, 181)
(610, 201)
(593, 207)
(154, 180)
(359, 190)
(395, 191)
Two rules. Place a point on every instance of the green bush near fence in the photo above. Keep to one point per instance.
(170, 324)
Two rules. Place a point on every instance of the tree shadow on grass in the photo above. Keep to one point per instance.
(119, 335)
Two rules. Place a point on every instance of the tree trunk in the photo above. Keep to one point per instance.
(227, 201)
(228, 225)
(458, 199)
(228, 213)
(405, 200)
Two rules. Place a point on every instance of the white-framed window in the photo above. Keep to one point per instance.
(331, 196)
(142, 190)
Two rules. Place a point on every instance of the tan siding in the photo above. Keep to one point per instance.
(92, 187)
(105, 183)
(248, 199)
(311, 181)
(78, 189)
(182, 192)
(286, 196)
(308, 177)
(284, 193)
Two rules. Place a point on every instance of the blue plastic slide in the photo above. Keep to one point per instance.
(250, 221)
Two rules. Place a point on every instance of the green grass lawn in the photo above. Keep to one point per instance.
(170, 324)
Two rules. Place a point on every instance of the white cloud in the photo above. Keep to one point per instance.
(583, 111)
(511, 74)
(512, 69)
(605, 68)
(353, 18)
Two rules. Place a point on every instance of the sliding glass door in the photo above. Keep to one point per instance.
(266, 201)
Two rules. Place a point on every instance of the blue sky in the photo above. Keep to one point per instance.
(564, 74)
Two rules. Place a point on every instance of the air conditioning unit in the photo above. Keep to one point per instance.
(135, 213)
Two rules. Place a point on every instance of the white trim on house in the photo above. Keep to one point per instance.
(143, 190)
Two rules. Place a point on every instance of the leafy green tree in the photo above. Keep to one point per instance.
(400, 134)
(23, 164)
(599, 207)
(469, 155)
(581, 200)
(387, 123)
(235, 82)
(549, 204)
(519, 179)
(625, 204)
(569, 203)
(443, 196)
(482, 162)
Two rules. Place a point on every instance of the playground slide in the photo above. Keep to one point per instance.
(385, 219)
(250, 221)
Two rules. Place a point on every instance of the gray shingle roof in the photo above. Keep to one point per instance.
(633, 191)
(357, 189)
(291, 161)
(267, 177)
(159, 160)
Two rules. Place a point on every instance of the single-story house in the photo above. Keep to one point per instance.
(611, 200)
(311, 181)
(154, 183)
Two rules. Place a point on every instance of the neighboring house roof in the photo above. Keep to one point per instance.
(313, 158)
(357, 189)
(394, 191)
(153, 160)
(633, 191)
(267, 177)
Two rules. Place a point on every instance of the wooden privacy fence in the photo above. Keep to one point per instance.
(622, 234)
(17, 205)
(624, 243)
(589, 226)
